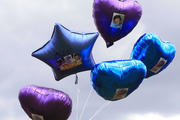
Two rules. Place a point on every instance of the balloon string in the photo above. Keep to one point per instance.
(77, 97)
(85, 104)
(100, 109)
(77, 102)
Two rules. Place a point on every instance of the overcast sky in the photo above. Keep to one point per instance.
(26, 25)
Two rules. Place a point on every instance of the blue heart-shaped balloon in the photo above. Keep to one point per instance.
(114, 80)
(154, 53)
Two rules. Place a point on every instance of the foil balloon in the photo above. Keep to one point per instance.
(115, 80)
(41, 103)
(67, 52)
(154, 53)
(114, 19)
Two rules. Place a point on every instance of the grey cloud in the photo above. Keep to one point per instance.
(27, 25)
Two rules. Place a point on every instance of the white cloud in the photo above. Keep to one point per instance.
(8, 109)
(152, 116)
(15, 118)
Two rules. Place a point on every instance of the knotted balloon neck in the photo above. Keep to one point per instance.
(76, 80)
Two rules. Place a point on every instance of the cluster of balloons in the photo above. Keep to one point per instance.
(69, 52)
(115, 80)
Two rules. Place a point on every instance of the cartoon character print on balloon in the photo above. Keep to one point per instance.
(37, 117)
(159, 65)
(117, 20)
(120, 93)
(69, 61)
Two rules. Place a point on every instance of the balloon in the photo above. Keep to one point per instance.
(115, 80)
(44, 103)
(67, 52)
(114, 19)
(154, 53)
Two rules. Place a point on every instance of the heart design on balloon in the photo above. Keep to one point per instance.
(114, 19)
(115, 80)
(154, 53)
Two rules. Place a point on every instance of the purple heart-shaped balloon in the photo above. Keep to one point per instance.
(114, 19)
(45, 103)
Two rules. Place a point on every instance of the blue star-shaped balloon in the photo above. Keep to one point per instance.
(67, 52)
